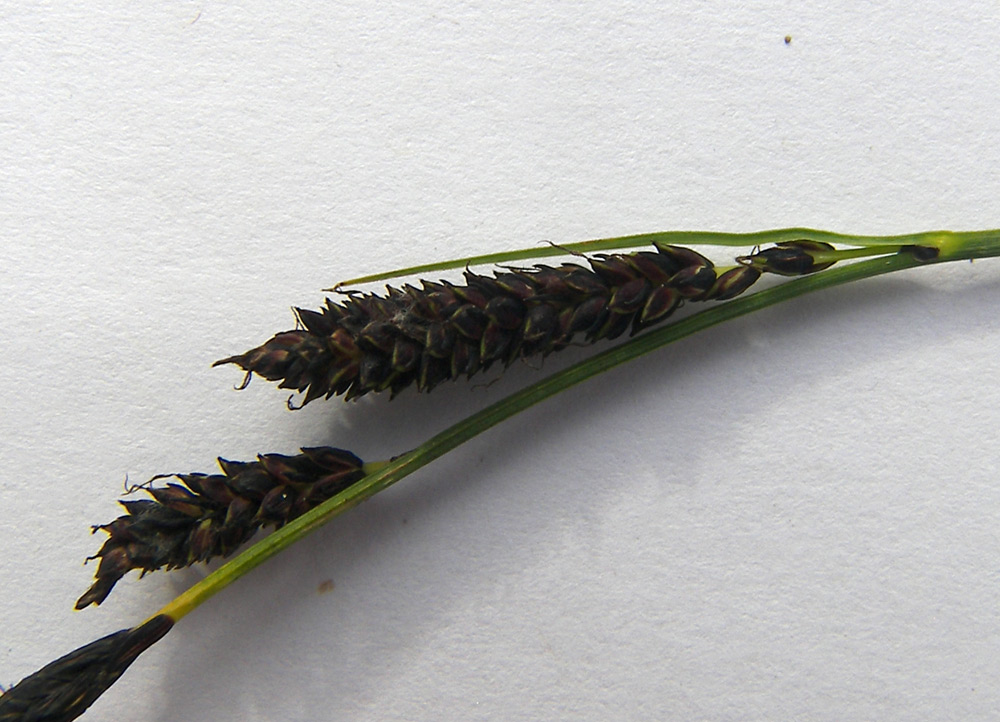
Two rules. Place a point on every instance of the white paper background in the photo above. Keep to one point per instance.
(793, 516)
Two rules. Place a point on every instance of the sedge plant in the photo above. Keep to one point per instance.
(65, 688)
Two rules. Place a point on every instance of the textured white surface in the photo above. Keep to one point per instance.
(790, 517)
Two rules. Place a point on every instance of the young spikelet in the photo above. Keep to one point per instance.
(62, 690)
(440, 331)
(207, 516)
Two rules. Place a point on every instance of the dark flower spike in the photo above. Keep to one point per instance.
(211, 515)
(442, 331)
(63, 690)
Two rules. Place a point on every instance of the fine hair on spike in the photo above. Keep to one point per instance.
(130, 488)
(567, 251)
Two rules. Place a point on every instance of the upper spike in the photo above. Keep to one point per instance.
(422, 336)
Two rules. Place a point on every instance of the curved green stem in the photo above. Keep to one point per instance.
(935, 239)
(951, 247)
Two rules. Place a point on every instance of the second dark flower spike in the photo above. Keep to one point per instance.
(441, 331)
(210, 515)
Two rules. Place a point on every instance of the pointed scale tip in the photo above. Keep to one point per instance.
(238, 360)
(63, 690)
(97, 593)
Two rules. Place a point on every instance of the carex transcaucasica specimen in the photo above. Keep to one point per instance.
(416, 336)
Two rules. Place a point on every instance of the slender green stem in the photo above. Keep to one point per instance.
(842, 254)
(680, 238)
(968, 246)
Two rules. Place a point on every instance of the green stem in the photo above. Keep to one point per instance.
(978, 245)
(679, 238)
